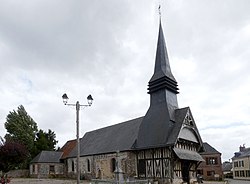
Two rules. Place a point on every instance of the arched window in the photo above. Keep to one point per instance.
(72, 166)
(88, 165)
(113, 164)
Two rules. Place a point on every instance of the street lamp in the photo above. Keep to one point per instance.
(77, 105)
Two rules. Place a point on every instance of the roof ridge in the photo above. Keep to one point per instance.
(114, 125)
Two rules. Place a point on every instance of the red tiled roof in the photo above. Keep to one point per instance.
(67, 148)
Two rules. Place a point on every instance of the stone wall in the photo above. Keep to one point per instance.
(18, 173)
(101, 166)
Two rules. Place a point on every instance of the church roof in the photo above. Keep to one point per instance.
(122, 136)
(162, 77)
(179, 118)
(48, 157)
(188, 154)
(118, 137)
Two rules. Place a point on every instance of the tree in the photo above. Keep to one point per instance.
(45, 141)
(21, 127)
(13, 155)
(23, 130)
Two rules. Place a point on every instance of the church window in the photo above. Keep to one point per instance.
(113, 164)
(88, 165)
(72, 166)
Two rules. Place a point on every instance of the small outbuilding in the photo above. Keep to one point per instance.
(47, 164)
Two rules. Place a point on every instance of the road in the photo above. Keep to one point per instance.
(55, 181)
(238, 182)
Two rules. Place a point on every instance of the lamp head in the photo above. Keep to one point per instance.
(65, 98)
(90, 100)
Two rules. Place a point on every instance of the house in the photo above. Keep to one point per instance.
(241, 163)
(211, 169)
(162, 146)
(227, 169)
(47, 164)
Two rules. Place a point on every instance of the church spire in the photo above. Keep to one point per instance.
(162, 77)
(157, 124)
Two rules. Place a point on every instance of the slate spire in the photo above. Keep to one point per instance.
(157, 124)
(162, 77)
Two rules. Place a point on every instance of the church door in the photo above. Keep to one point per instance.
(185, 170)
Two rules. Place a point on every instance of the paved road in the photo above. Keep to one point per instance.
(55, 181)
(238, 182)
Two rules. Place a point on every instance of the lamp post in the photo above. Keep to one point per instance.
(77, 105)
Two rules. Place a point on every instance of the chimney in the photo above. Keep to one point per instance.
(242, 148)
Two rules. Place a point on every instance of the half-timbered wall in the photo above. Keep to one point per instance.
(154, 163)
(183, 144)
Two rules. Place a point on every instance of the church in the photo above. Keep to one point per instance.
(163, 146)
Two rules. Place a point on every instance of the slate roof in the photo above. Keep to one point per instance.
(48, 157)
(162, 66)
(179, 118)
(188, 155)
(119, 137)
(208, 149)
(241, 154)
(122, 136)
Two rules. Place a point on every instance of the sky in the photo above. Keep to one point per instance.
(107, 49)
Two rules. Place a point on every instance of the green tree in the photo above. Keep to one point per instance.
(45, 141)
(21, 128)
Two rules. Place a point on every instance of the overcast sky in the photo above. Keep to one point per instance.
(107, 49)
